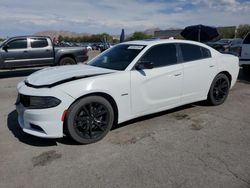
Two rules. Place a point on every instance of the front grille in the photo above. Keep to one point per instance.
(25, 100)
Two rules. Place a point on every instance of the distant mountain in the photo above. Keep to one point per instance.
(55, 34)
(151, 31)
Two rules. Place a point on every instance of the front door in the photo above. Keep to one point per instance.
(158, 88)
(15, 53)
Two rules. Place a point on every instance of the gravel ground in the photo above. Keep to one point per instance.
(191, 146)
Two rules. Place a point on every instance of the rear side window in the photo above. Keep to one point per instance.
(18, 44)
(205, 52)
(161, 55)
(39, 43)
(247, 39)
(192, 52)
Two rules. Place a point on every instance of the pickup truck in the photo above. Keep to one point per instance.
(27, 51)
(245, 54)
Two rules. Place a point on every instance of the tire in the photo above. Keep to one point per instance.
(89, 119)
(219, 90)
(67, 61)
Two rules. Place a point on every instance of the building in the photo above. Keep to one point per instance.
(165, 34)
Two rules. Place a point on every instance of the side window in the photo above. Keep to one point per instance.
(247, 39)
(191, 52)
(161, 55)
(39, 43)
(18, 44)
(205, 52)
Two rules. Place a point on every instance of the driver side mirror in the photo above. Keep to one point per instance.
(6, 47)
(144, 65)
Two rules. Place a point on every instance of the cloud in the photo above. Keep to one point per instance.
(29, 16)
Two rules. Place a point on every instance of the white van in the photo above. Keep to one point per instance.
(245, 54)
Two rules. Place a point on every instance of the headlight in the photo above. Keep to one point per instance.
(40, 102)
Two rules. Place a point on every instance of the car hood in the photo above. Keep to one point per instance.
(52, 76)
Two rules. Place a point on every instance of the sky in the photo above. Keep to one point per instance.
(22, 17)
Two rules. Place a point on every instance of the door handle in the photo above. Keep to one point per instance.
(177, 74)
(25, 51)
(48, 50)
(211, 66)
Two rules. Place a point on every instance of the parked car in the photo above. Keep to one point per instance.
(104, 46)
(235, 46)
(220, 45)
(245, 54)
(236, 41)
(95, 46)
(230, 46)
(29, 51)
(89, 48)
(129, 80)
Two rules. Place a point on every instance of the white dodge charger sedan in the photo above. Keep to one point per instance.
(131, 79)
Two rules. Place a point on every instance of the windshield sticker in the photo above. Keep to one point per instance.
(135, 47)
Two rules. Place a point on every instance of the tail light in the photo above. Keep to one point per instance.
(85, 51)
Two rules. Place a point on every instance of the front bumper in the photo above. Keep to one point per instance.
(42, 123)
(45, 123)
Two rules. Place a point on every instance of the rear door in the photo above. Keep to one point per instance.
(199, 70)
(245, 53)
(40, 51)
(16, 53)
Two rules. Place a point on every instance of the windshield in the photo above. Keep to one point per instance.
(118, 57)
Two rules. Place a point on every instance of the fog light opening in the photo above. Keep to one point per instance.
(36, 127)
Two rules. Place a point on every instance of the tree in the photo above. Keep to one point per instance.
(60, 38)
(179, 37)
(226, 32)
(88, 38)
(140, 36)
(242, 30)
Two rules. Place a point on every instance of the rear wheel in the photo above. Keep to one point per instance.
(219, 90)
(90, 119)
(67, 61)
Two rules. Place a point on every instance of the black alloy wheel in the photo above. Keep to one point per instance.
(90, 119)
(219, 90)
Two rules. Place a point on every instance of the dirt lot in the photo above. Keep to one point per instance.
(192, 146)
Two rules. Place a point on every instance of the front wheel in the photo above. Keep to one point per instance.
(219, 90)
(89, 120)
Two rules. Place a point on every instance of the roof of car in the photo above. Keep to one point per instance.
(162, 41)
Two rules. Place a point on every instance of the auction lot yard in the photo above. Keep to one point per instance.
(191, 146)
